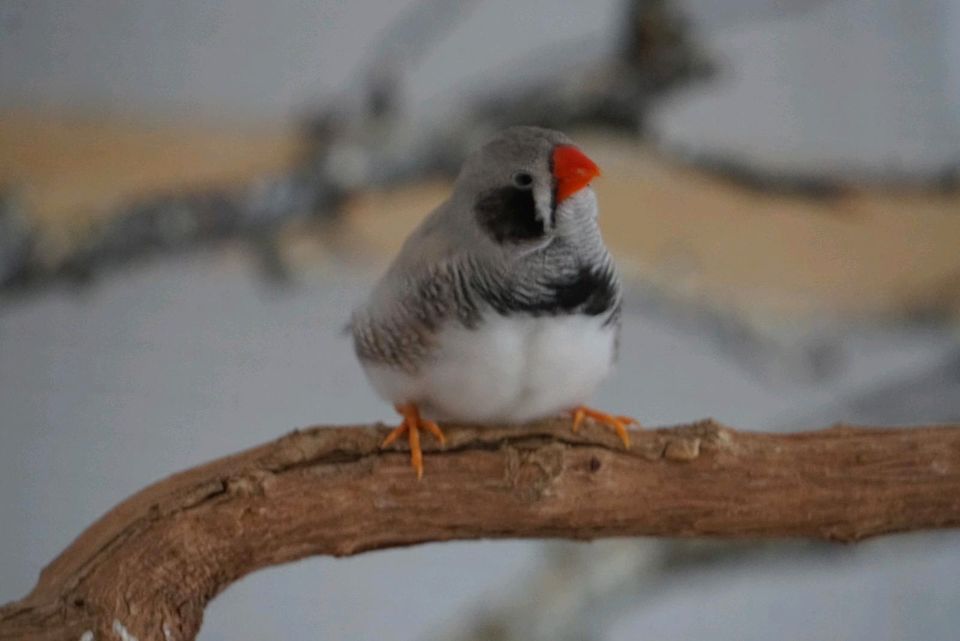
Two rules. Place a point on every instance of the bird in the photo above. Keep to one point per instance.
(503, 306)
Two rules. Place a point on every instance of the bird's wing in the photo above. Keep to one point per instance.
(425, 286)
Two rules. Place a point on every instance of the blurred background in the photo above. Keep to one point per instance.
(193, 195)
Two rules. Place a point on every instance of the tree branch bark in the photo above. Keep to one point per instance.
(147, 568)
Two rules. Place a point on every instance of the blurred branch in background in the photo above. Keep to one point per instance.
(164, 223)
(771, 354)
(817, 186)
(656, 53)
(579, 591)
(932, 393)
(363, 143)
(350, 147)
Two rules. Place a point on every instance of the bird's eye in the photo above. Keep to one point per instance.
(522, 180)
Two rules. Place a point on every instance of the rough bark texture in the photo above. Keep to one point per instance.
(147, 569)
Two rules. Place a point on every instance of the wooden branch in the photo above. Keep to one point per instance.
(147, 569)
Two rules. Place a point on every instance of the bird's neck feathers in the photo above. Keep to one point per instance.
(573, 243)
(576, 228)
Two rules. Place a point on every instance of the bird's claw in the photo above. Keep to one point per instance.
(617, 423)
(411, 424)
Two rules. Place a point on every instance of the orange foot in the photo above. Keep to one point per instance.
(412, 422)
(617, 423)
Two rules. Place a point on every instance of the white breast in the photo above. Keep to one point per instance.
(510, 369)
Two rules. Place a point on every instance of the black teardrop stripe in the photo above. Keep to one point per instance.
(553, 194)
(509, 215)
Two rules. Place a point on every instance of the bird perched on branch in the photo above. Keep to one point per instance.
(503, 306)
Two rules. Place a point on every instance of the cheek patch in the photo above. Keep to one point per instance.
(509, 215)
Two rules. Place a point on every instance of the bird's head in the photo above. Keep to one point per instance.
(528, 186)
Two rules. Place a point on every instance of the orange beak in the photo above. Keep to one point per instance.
(572, 171)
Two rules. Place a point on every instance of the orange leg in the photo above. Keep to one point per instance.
(617, 423)
(411, 424)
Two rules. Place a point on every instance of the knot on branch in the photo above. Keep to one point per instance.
(531, 471)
